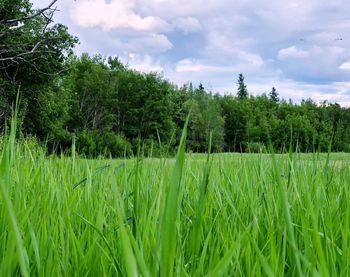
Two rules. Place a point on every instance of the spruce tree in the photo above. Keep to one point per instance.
(274, 95)
(242, 92)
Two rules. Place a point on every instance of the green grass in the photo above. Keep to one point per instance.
(194, 215)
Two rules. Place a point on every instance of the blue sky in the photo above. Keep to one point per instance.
(300, 47)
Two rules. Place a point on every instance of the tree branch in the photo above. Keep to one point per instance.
(32, 51)
(25, 18)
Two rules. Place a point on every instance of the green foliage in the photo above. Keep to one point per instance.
(236, 114)
(33, 49)
(206, 119)
(262, 120)
(92, 94)
(144, 108)
(33, 55)
(106, 97)
(92, 143)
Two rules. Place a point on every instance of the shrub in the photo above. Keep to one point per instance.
(93, 143)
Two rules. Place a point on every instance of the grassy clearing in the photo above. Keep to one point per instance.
(196, 215)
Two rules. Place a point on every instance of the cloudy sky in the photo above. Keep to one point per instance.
(300, 47)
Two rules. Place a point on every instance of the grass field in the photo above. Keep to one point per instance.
(194, 215)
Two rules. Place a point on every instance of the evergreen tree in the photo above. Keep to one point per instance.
(274, 95)
(201, 87)
(242, 92)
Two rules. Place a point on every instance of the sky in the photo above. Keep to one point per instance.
(300, 47)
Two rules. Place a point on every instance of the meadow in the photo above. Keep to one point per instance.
(193, 215)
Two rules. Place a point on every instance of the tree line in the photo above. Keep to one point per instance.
(107, 108)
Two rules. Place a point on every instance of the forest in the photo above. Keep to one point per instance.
(109, 109)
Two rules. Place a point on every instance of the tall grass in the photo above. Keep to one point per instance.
(194, 215)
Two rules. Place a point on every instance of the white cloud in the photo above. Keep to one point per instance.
(292, 53)
(189, 65)
(187, 24)
(345, 66)
(320, 64)
(143, 63)
(181, 8)
(250, 58)
(152, 41)
(246, 61)
(115, 14)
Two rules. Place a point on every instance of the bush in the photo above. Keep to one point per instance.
(93, 143)
(116, 145)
